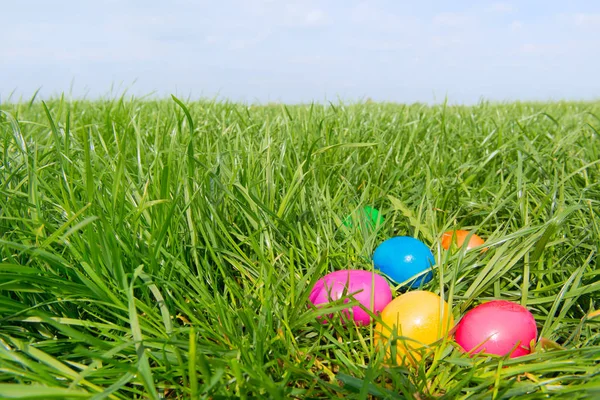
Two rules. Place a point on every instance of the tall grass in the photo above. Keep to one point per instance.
(166, 249)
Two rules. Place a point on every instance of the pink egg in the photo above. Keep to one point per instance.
(497, 327)
(368, 288)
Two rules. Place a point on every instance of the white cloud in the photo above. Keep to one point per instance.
(501, 8)
(291, 14)
(382, 45)
(364, 12)
(248, 42)
(318, 60)
(587, 20)
(516, 26)
(543, 49)
(71, 56)
(451, 19)
(367, 15)
(211, 39)
(315, 17)
(446, 41)
(529, 48)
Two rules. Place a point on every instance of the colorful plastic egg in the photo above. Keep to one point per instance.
(368, 215)
(497, 327)
(403, 257)
(458, 237)
(370, 289)
(415, 320)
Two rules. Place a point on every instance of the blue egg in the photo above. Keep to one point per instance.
(403, 257)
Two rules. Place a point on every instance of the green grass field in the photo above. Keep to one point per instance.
(158, 249)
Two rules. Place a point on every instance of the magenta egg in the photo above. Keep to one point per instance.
(370, 289)
(497, 327)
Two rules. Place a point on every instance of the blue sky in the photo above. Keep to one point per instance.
(300, 51)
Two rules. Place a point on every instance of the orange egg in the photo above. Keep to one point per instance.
(458, 237)
(413, 322)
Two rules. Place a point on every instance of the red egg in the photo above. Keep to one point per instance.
(497, 327)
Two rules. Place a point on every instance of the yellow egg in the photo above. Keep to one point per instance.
(413, 322)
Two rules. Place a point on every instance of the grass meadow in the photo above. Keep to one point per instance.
(166, 249)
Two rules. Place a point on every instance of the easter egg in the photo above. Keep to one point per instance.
(497, 327)
(458, 237)
(370, 289)
(366, 216)
(415, 320)
(402, 257)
